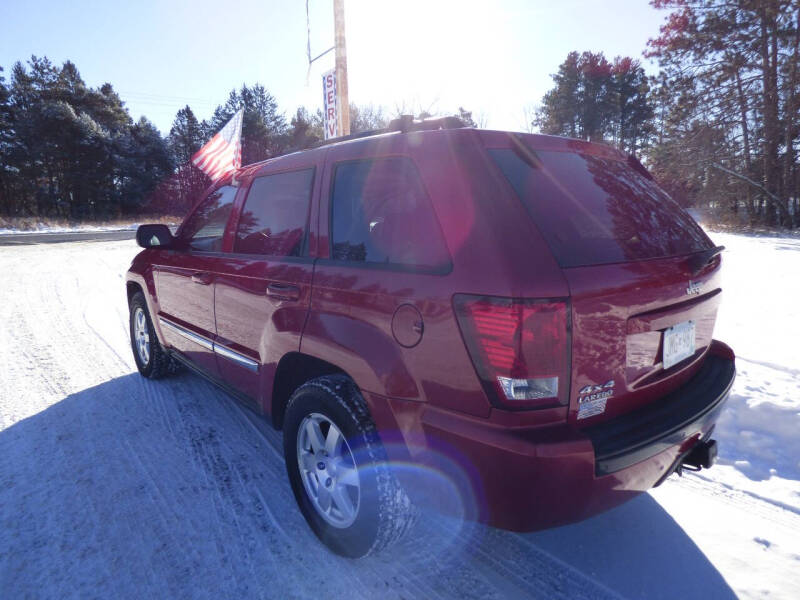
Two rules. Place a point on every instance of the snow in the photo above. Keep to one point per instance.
(43, 228)
(115, 486)
(753, 537)
(760, 319)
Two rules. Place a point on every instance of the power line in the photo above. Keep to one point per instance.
(146, 98)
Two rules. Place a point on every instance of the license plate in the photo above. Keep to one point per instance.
(678, 343)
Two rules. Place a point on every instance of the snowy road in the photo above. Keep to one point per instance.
(116, 487)
(59, 237)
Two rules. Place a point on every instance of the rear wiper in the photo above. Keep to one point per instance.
(526, 154)
(701, 259)
(637, 166)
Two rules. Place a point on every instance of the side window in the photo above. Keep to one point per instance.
(205, 227)
(381, 214)
(274, 216)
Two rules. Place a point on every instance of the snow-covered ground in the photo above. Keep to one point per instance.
(114, 486)
(44, 228)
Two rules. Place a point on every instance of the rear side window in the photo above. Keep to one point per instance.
(594, 210)
(274, 217)
(205, 227)
(381, 214)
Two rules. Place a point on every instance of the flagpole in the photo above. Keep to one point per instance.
(342, 98)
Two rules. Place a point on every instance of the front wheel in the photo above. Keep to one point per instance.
(152, 360)
(338, 469)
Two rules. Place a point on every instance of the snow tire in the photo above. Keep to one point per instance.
(159, 363)
(385, 512)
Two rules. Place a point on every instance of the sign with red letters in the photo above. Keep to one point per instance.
(330, 110)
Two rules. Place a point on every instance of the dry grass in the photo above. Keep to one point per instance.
(748, 229)
(726, 222)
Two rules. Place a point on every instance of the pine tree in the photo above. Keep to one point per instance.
(560, 110)
(147, 161)
(304, 130)
(631, 110)
(186, 136)
(6, 142)
(736, 64)
(598, 101)
(72, 151)
(264, 129)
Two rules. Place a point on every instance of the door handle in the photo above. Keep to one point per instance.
(202, 278)
(283, 291)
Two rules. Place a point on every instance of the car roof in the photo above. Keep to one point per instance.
(489, 137)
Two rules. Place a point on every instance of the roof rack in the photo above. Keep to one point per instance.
(403, 124)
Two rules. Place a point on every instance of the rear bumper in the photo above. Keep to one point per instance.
(638, 435)
(533, 479)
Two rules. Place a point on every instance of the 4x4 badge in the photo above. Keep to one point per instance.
(593, 389)
(592, 399)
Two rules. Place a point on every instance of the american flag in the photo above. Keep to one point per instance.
(223, 152)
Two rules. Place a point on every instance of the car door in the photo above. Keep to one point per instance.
(263, 290)
(184, 279)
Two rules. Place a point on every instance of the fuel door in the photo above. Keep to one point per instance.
(407, 325)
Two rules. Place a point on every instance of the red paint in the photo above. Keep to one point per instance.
(426, 395)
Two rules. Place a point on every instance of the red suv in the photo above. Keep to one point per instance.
(535, 309)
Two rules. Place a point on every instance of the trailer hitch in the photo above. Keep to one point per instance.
(702, 456)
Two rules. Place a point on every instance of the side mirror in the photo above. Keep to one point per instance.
(154, 236)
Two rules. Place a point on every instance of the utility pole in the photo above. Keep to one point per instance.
(342, 98)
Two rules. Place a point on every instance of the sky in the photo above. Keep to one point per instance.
(493, 58)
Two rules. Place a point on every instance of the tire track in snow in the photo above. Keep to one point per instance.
(775, 511)
(483, 566)
(771, 365)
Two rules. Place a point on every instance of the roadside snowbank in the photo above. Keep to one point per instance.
(42, 228)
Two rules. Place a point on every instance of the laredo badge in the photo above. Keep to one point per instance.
(592, 399)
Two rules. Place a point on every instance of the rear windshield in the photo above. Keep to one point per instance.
(595, 210)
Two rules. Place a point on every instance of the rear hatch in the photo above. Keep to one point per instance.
(643, 276)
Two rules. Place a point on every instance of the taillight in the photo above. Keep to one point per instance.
(519, 348)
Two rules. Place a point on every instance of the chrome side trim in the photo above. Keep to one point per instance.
(239, 359)
(182, 331)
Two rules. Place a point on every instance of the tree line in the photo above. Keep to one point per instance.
(718, 125)
(72, 152)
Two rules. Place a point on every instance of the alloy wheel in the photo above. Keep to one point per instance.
(141, 336)
(328, 470)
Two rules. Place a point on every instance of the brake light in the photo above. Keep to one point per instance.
(519, 348)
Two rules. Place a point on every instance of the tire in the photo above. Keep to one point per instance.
(154, 362)
(382, 510)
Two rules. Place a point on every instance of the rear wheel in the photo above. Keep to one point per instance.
(338, 470)
(152, 360)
